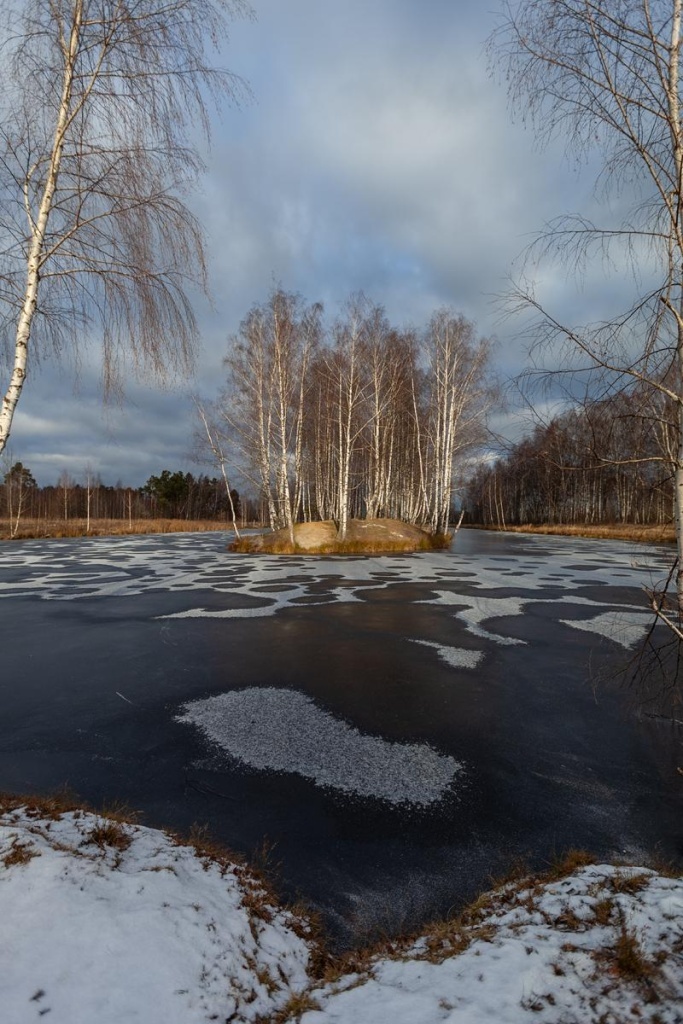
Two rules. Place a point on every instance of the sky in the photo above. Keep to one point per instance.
(377, 152)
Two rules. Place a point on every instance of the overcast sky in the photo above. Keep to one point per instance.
(377, 153)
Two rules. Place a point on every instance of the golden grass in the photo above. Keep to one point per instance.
(19, 853)
(626, 958)
(628, 883)
(30, 529)
(109, 833)
(604, 911)
(605, 531)
(297, 1004)
(566, 864)
(51, 806)
(282, 546)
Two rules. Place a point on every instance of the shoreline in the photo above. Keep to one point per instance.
(608, 531)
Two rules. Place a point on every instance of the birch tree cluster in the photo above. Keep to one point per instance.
(351, 418)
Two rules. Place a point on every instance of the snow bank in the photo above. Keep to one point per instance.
(146, 932)
(116, 924)
(602, 946)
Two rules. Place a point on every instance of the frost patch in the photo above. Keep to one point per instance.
(480, 609)
(283, 731)
(625, 628)
(456, 657)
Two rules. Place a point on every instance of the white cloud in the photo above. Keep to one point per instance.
(378, 154)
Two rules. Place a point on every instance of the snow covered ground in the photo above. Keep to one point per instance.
(116, 923)
(603, 945)
(110, 923)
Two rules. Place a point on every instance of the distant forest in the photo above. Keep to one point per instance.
(603, 462)
(170, 495)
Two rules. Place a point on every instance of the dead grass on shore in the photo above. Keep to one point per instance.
(30, 529)
(282, 546)
(605, 531)
(363, 537)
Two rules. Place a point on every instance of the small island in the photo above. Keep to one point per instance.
(362, 536)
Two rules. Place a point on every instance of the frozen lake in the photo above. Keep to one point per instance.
(401, 728)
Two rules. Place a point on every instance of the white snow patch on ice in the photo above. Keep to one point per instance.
(227, 613)
(625, 628)
(456, 657)
(283, 731)
(338, 595)
(481, 609)
(192, 562)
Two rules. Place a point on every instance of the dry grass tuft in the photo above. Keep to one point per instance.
(451, 938)
(19, 853)
(109, 830)
(108, 833)
(51, 806)
(627, 959)
(258, 903)
(516, 871)
(628, 884)
(119, 811)
(296, 1006)
(566, 864)
(603, 912)
(207, 847)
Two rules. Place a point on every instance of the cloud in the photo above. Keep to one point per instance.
(57, 430)
(378, 154)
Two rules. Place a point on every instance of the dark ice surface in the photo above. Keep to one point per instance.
(106, 641)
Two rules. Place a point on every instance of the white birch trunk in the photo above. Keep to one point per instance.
(38, 231)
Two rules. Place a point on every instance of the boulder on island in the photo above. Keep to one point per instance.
(363, 537)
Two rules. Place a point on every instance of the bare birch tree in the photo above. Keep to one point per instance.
(100, 106)
(607, 75)
(19, 486)
(459, 395)
(356, 420)
(215, 440)
(345, 364)
(264, 401)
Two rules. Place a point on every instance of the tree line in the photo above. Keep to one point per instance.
(351, 417)
(609, 461)
(172, 495)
